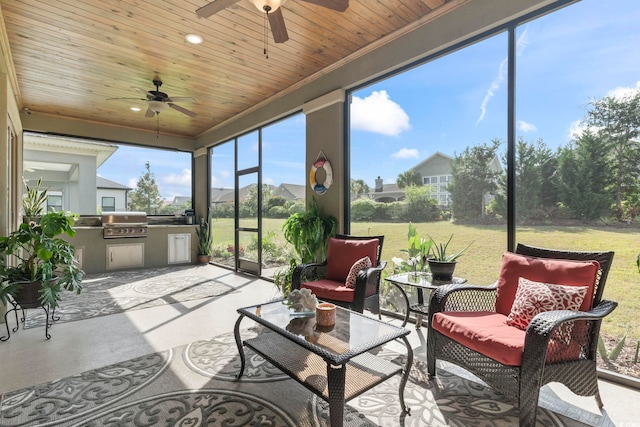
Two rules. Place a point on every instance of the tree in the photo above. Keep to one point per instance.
(420, 206)
(409, 178)
(146, 196)
(584, 177)
(472, 180)
(536, 167)
(249, 206)
(358, 186)
(617, 121)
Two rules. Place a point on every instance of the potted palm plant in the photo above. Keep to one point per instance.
(205, 243)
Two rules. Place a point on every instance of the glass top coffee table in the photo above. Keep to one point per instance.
(420, 281)
(336, 363)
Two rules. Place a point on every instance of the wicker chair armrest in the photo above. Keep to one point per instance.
(368, 279)
(369, 275)
(462, 297)
(546, 322)
(547, 325)
(308, 272)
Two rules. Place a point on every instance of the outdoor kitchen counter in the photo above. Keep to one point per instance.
(93, 248)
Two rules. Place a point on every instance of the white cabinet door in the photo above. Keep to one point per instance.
(125, 256)
(179, 248)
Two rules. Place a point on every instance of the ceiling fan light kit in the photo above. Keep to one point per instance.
(268, 5)
(272, 9)
(158, 102)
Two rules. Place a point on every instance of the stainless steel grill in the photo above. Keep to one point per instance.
(118, 225)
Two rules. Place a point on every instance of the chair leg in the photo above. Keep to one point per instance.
(528, 402)
(431, 353)
(599, 400)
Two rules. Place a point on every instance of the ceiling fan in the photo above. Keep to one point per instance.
(273, 11)
(158, 102)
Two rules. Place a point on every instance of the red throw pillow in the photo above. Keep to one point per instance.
(545, 270)
(355, 269)
(342, 254)
(533, 298)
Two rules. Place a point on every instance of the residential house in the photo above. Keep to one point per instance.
(111, 196)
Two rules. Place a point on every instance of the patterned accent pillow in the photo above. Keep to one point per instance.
(355, 269)
(535, 297)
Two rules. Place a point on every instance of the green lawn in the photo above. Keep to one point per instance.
(482, 261)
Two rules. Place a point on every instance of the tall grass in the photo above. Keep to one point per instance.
(481, 262)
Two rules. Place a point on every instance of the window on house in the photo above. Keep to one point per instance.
(54, 202)
(108, 204)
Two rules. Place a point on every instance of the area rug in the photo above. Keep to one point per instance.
(195, 385)
(115, 292)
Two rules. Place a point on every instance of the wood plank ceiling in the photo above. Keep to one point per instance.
(72, 56)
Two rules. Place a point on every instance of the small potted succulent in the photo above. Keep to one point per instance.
(441, 263)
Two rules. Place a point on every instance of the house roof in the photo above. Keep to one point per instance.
(431, 158)
(291, 191)
(108, 184)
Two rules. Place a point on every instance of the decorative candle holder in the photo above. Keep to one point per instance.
(326, 314)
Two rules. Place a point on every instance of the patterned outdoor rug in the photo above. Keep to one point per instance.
(115, 292)
(194, 385)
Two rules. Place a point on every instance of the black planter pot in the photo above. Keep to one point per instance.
(28, 296)
(442, 270)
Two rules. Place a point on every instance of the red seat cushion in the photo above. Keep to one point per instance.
(484, 332)
(330, 289)
(342, 254)
(545, 270)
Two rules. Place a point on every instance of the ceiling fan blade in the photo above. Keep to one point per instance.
(214, 7)
(279, 30)
(149, 113)
(182, 109)
(339, 5)
(126, 99)
(180, 99)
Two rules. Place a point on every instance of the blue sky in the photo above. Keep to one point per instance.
(565, 59)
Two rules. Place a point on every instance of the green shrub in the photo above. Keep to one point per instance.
(363, 210)
(420, 206)
(278, 212)
(297, 207)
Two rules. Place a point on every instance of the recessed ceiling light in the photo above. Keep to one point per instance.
(193, 38)
(135, 108)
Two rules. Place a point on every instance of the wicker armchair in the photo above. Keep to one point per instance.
(326, 279)
(559, 346)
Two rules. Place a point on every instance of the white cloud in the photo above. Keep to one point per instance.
(132, 183)
(624, 92)
(377, 113)
(521, 44)
(406, 153)
(526, 127)
(577, 128)
(183, 178)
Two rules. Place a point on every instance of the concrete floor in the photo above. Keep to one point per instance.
(27, 358)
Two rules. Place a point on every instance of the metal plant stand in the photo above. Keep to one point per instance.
(50, 316)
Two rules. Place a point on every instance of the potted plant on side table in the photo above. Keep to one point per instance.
(441, 264)
(46, 264)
